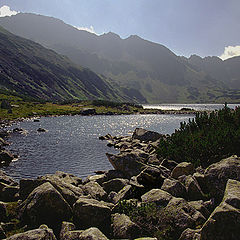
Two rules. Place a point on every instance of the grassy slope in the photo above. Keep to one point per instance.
(30, 69)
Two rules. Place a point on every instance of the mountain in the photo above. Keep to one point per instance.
(28, 68)
(143, 70)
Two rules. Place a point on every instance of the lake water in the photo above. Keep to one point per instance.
(197, 107)
(71, 143)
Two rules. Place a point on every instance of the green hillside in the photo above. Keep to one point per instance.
(29, 69)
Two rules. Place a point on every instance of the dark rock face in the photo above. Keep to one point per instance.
(5, 157)
(88, 111)
(45, 205)
(174, 187)
(145, 135)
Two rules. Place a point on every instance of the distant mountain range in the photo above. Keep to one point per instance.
(137, 69)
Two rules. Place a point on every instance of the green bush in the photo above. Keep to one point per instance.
(205, 139)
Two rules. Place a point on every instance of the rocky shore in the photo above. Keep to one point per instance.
(142, 198)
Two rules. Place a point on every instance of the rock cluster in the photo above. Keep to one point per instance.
(186, 203)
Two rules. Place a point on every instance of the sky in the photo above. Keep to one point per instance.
(202, 27)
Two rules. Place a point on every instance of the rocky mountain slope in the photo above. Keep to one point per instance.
(27, 68)
(144, 70)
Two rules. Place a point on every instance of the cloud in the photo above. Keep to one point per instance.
(6, 11)
(230, 51)
(91, 29)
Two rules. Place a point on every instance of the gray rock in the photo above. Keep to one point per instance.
(115, 184)
(200, 206)
(128, 163)
(224, 222)
(92, 213)
(158, 196)
(99, 178)
(183, 168)
(190, 234)
(170, 164)
(218, 174)
(95, 191)
(8, 193)
(6, 179)
(174, 187)
(126, 193)
(92, 234)
(194, 192)
(145, 135)
(42, 233)
(123, 227)
(45, 205)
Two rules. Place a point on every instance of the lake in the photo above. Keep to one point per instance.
(71, 143)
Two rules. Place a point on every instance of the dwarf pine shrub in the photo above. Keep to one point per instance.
(205, 139)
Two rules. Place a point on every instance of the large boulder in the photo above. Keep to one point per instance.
(224, 222)
(145, 135)
(6, 179)
(124, 228)
(190, 234)
(218, 174)
(183, 168)
(174, 187)
(92, 213)
(130, 164)
(67, 185)
(45, 205)
(8, 193)
(42, 233)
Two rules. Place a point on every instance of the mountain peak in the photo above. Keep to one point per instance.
(111, 35)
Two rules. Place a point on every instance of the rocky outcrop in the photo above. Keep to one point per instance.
(45, 205)
(157, 196)
(183, 168)
(174, 187)
(93, 189)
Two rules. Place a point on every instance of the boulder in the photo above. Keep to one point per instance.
(92, 234)
(200, 206)
(151, 176)
(224, 222)
(41, 130)
(145, 238)
(95, 191)
(66, 184)
(124, 228)
(190, 234)
(115, 184)
(42, 233)
(145, 135)
(174, 187)
(92, 213)
(183, 168)
(170, 164)
(68, 231)
(3, 142)
(157, 196)
(88, 111)
(194, 192)
(45, 205)
(182, 215)
(99, 178)
(126, 193)
(128, 163)
(218, 174)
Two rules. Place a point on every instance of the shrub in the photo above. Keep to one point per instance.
(205, 139)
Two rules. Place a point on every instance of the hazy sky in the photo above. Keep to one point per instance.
(202, 27)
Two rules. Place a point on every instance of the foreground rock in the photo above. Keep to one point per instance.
(45, 205)
(92, 213)
(224, 222)
(42, 233)
(218, 174)
(124, 228)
